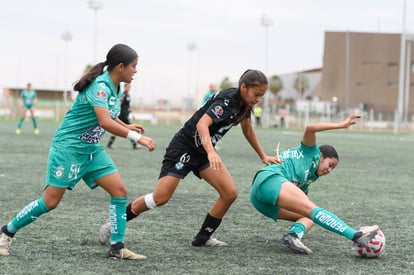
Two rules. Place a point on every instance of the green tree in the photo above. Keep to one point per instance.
(275, 84)
(301, 83)
(87, 68)
(225, 83)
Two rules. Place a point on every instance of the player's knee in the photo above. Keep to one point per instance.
(51, 204)
(122, 191)
(161, 199)
(230, 195)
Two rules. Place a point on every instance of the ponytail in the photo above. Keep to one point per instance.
(89, 77)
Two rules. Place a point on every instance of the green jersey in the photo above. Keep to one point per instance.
(299, 166)
(28, 97)
(80, 129)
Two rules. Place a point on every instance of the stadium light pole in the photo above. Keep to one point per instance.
(266, 22)
(401, 72)
(408, 71)
(191, 47)
(66, 37)
(95, 6)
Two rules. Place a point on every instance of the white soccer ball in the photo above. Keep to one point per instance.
(375, 247)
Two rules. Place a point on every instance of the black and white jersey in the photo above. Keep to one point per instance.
(125, 100)
(223, 108)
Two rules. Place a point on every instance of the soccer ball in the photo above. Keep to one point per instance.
(375, 247)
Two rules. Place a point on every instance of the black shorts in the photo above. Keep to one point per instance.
(180, 159)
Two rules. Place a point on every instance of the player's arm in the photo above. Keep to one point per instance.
(203, 131)
(309, 137)
(116, 128)
(249, 133)
(136, 127)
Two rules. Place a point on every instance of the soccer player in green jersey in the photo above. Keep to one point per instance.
(76, 154)
(280, 191)
(27, 100)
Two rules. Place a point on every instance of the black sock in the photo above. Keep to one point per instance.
(210, 225)
(129, 213)
(117, 246)
(111, 140)
(5, 231)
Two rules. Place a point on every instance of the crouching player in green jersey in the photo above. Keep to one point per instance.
(76, 153)
(279, 191)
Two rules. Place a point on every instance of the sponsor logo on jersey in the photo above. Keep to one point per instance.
(101, 95)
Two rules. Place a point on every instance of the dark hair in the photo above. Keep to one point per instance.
(251, 78)
(118, 54)
(328, 152)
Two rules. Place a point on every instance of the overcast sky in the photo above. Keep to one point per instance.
(228, 37)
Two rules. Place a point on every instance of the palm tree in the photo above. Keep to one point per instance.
(275, 84)
(301, 84)
(225, 83)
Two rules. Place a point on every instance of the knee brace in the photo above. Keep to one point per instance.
(149, 201)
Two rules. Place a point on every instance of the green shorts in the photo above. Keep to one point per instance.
(65, 168)
(265, 192)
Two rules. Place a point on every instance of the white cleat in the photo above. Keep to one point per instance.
(5, 242)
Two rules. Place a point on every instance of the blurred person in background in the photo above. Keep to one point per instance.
(27, 101)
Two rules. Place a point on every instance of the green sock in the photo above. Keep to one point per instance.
(117, 218)
(19, 125)
(299, 229)
(34, 122)
(332, 223)
(27, 215)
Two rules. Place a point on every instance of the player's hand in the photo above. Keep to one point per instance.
(136, 127)
(351, 120)
(215, 160)
(271, 159)
(148, 142)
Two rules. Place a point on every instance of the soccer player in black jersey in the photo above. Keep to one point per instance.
(192, 150)
(125, 100)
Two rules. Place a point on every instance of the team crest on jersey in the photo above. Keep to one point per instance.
(218, 111)
(101, 95)
(59, 172)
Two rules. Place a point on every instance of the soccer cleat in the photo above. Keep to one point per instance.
(294, 244)
(5, 242)
(36, 131)
(362, 238)
(18, 131)
(124, 254)
(214, 242)
(104, 233)
(207, 241)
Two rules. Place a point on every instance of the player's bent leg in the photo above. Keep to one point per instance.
(222, 181)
